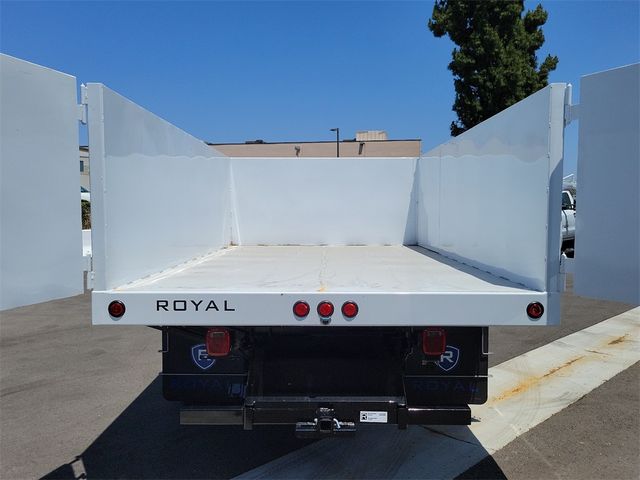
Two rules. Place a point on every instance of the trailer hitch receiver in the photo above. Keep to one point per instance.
(324, 424)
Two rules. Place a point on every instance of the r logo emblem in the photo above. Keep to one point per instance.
(449, 359)
(200, 357)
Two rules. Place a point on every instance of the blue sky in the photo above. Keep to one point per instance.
(289, 71)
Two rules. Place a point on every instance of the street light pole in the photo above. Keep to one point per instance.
(337, 130)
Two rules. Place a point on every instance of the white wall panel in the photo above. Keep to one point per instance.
(484, 196)
(159, 196)
(317, 201)
(607, 254)
(40, 228)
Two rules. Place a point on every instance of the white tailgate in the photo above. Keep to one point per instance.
(607, 254)
(40, 228)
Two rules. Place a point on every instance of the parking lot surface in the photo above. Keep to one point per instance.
(79, 400)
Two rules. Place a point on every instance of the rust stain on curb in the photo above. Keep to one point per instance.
(618, 340)
(530, 382)
(597, 352)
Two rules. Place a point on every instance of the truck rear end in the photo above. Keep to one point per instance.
(326, 293)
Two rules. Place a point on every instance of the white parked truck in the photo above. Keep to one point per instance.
(319, 292)
(325, 292)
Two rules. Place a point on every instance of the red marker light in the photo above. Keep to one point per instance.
(301, 309)
(434, 341)
(218, 341)
(116, 309)
(350, 309)
(535, 310)
(325, 309)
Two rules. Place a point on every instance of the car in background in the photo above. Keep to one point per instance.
(568, 220)
(85, 194)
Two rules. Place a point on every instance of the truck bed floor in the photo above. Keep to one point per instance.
(331, 269)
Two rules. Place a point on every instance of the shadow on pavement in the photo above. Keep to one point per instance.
(485, 469)
(147, 441)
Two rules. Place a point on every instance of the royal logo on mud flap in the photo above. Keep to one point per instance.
(449, 359)
(200, 357)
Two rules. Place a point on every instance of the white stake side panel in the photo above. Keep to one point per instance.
(40, 225)
(324, 201)
(491, 197)
(159, 196)
(607, 253)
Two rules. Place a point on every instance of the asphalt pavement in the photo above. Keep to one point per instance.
(77, 400)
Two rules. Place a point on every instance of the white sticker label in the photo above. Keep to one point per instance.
(373, 417)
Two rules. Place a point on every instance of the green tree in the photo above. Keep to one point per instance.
(495, 63)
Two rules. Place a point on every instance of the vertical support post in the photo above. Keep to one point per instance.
(337, 130)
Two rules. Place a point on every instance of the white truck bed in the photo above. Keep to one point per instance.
(326, 229)
(324, 269)
(258, 286)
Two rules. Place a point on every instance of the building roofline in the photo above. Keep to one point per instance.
(351, 140)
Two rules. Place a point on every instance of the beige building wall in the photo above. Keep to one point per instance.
(365, 135)
(349, 148)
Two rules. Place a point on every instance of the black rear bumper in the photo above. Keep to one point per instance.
(325, 415)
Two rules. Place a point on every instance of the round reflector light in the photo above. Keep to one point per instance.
(350, 309)
(325, 309)
(535, 310)
(301, 309)
(116, 309)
